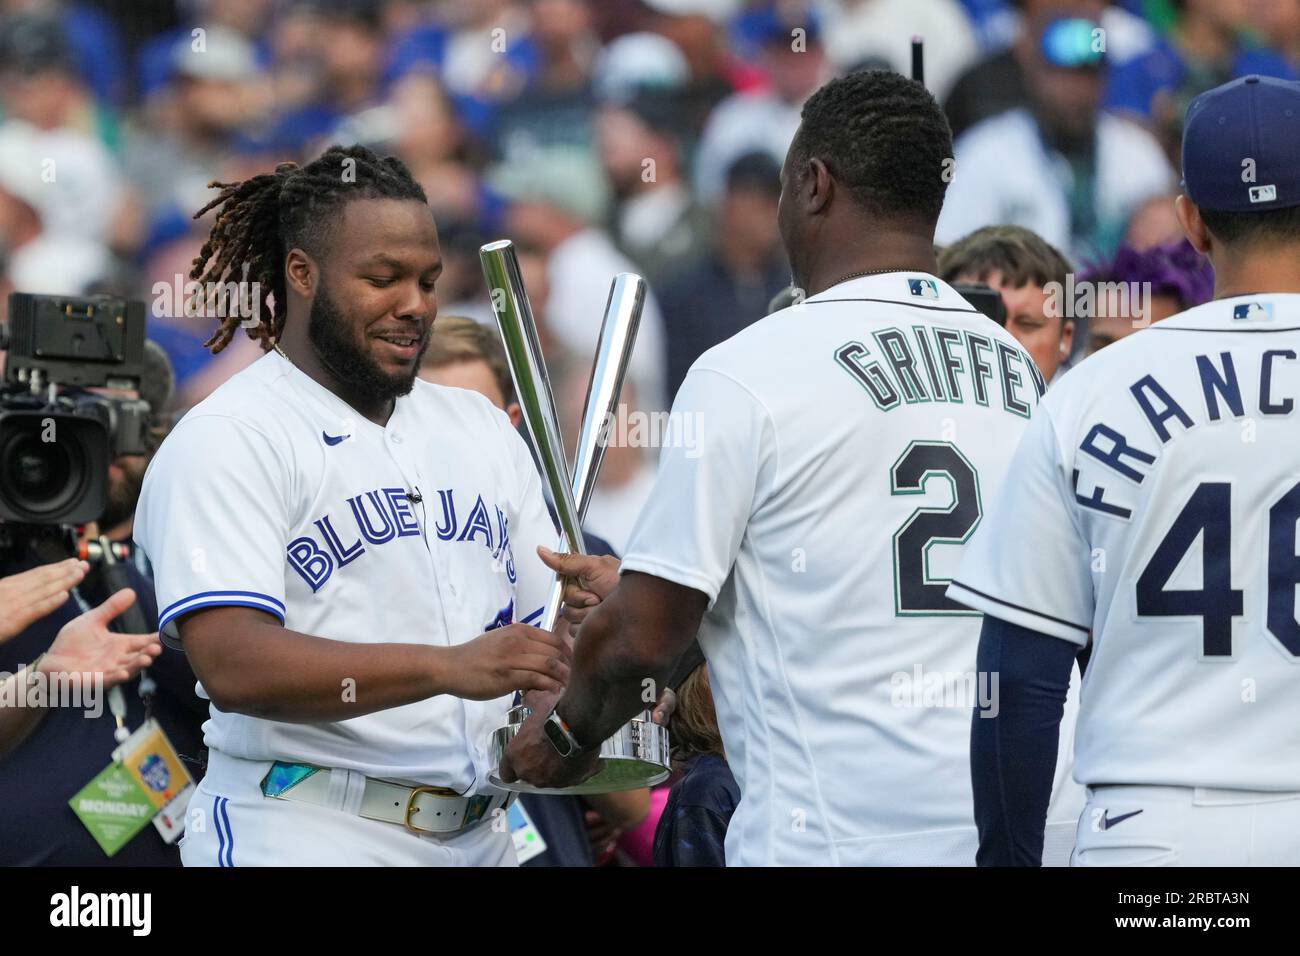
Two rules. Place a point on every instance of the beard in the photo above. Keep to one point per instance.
(349, 363)
(123, 494)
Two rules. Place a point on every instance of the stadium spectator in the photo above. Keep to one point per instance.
(212, 92)
(1210, 44)
(693, 828)
(698, 28)
(637, 64)
(555, 200)
(1060, 167)
(1153, 223)
(46, 249)
(790, 53)
(1170, 278)
(1020, 267)
(881, 31)
(731, 285)
(997, 83)
(426, 130)
(656, 221)
(39, 78)
(555, 108)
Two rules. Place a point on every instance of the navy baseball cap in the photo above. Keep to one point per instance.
(1240, 145)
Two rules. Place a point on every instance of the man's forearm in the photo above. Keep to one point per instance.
(1014, 742)
(278, 674)
(16, 722)
(611, 680)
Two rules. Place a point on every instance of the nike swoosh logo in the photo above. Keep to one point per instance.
(1108, 821)
(333, 439)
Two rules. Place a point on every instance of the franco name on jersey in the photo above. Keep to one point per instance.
(929, 363)
(373, 518)
(1168, 414)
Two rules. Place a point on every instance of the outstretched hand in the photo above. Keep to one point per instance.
(86, 645)
(27, 597)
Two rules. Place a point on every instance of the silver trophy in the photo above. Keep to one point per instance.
(636, 756)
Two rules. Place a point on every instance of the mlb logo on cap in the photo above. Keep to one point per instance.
(1239, 146)
(925, 288)
(1253, 310)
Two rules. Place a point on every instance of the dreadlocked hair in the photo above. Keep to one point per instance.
(262, 218)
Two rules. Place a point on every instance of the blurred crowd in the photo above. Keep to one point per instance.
(610, 136)
(624, 135)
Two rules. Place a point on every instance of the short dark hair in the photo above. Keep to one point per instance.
(884, 137)
(1244, 228)
(1021, 255)
(755, 172)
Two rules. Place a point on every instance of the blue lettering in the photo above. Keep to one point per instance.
(400, 507)
(477, 521)
(1095, 500)
(372, 534)
(1112, 457)
(313, 564)
(343, 555)
(1224, 384)
(1266, 403)
(446, 526)
(1171, 409)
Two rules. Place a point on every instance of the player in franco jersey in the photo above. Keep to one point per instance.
(342, 549)
(1160, 483)
(845, 448)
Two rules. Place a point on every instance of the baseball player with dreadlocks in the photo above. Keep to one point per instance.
(346, 552)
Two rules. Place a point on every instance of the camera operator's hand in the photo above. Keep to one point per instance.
(27, 597)
(86, 645)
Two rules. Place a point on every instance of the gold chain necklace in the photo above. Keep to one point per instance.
(868, 272)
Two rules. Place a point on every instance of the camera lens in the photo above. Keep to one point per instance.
(38, 477)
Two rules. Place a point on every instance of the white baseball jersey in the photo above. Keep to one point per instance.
(274, 493)
(830, 462)
(1154, 504)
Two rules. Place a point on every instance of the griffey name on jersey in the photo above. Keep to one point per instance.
(370, 519)
(929, 363)
(1169, 413)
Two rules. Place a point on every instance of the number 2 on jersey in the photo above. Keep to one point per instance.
(1208, 514)
(916, 592)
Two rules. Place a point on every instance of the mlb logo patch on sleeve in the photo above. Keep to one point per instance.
(925, 288)
(1260, 311)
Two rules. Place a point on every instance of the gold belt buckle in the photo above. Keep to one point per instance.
(412, 808)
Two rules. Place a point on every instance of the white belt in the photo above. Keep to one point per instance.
(419, 809)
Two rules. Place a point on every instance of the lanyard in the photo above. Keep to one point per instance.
(116, 699)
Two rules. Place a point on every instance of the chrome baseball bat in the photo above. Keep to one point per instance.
(618, 330)
(571, 495)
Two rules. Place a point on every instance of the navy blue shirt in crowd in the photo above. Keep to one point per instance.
(67, 749)
(693, 826)
(706, 305)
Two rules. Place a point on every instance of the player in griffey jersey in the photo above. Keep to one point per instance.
(342, 549)
(1159, 485)
(836, 457)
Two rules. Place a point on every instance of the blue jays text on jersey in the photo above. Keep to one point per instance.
(371, 519)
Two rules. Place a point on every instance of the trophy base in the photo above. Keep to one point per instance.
(635, 757)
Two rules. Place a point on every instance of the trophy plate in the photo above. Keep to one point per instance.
(635, 757)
